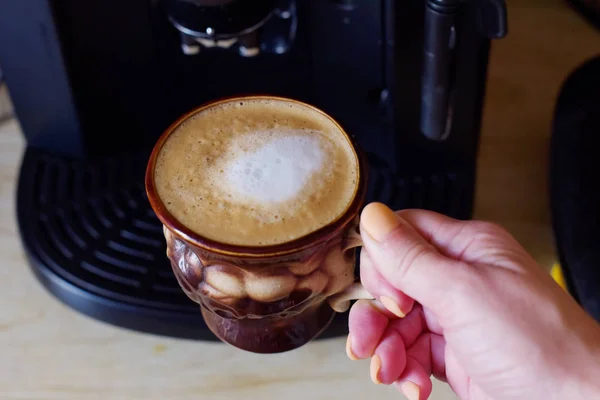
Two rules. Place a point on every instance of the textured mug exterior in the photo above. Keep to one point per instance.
(270, 304)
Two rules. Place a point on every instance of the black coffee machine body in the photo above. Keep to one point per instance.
(95, 83)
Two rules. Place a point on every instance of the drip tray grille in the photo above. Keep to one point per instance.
(95, 243)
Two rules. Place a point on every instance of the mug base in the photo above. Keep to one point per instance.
(270, 335)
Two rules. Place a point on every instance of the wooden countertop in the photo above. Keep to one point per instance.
(546, 41)
(52, 352)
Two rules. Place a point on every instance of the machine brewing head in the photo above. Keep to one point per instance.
(227, 24)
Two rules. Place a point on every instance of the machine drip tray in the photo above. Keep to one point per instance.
(94, 242)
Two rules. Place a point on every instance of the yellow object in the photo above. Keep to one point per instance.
(558, 276)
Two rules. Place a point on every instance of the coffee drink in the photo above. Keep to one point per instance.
(256, 172)
(259, 197)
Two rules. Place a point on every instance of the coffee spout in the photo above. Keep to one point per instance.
(439, 61)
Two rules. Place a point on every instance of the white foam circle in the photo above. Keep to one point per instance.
(278, 170)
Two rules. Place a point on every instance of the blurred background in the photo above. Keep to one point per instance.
(523, 156)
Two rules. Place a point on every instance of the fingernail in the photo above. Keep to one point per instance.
(375, 368)
(410, 390)
(392, 306)
(349, 352)
(378, 221)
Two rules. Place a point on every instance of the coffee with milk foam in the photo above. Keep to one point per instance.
(256, 172)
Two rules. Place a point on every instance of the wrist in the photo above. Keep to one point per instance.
(585, 385)
(582, 379)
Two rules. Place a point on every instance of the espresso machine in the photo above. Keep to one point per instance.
(94, 84)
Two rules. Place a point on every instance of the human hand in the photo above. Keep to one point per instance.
(465, 302)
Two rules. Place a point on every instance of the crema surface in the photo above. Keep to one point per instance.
(256, 172)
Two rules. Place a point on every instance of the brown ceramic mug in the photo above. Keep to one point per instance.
(270, 298)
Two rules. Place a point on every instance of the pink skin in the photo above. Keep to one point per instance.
(480, 314)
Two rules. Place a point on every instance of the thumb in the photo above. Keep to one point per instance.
(407, 260)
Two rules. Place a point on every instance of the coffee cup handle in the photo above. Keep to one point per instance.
(340, 302)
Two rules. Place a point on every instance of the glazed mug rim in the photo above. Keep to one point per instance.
(244, 251)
